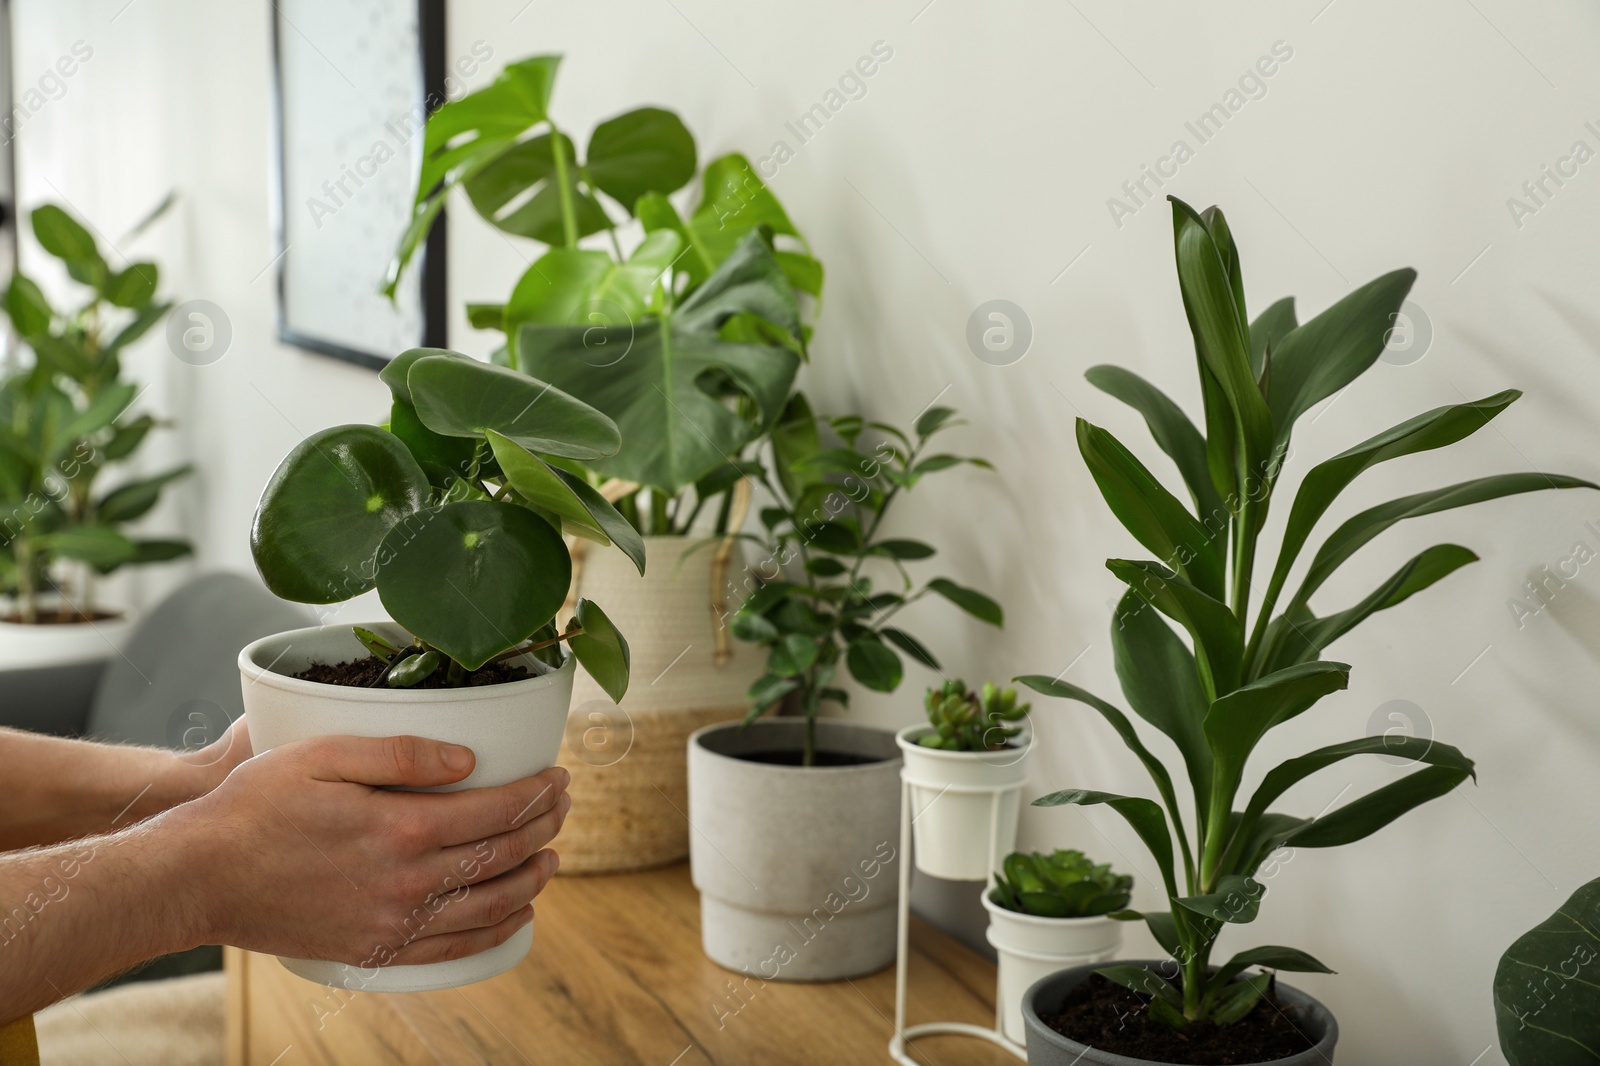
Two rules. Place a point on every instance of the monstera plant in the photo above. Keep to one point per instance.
(1248, 666)
(455, 514)
(690, 341)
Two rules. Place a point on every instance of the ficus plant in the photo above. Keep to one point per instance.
(690, 340)
(1059, 884)
(1252, 658)
(455, 513)
(65, 422)
(821, 609)
(1545, 1006)
(972, 721)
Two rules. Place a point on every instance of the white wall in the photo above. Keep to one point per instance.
(978, 166)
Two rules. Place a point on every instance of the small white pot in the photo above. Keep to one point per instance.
(1031, 948)
(513, 729)
(25, 646)
(964, 804)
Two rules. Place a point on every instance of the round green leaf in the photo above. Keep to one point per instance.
(602, 650)
(647, 150)
(874, 664)
(328, 507)
(465, 398)
(473, 578)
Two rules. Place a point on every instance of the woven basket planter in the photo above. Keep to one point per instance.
(629, 785)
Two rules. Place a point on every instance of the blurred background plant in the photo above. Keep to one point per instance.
(690, 339)
(972, 721)
(1061, 884)
(64, 421)
(820, 534)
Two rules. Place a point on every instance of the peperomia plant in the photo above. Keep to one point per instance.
(455, 513)
(64, 422)
(690, 341)
(972, 721)
(1243, 672)
(820, 607)
(1062, 884)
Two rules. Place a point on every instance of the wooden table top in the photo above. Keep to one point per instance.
(616, 976)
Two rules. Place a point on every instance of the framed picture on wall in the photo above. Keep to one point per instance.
(353, 83)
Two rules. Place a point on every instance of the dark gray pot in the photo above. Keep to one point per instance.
(1046, 1047)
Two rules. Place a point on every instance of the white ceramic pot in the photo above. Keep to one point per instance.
(25, 646)
(795, 866)
(1031, 948)
(964, 804)
(513, 729)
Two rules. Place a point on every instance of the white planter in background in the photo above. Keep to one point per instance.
(24, 646)
(964, 804)
(1032, 948)
(514, 730)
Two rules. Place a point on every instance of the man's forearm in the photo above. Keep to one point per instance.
(77, 913)
(59, 789)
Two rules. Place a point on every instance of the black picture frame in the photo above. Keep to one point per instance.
(430, 264)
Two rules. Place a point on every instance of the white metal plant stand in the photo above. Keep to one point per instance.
(995, 1035)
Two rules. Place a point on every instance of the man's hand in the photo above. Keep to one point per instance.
(300, 852)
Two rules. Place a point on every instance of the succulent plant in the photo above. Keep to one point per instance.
(1062, 884)
(972, 721)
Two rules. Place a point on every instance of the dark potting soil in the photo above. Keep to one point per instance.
(364, 673)
(1106, 1016)
(792, 757)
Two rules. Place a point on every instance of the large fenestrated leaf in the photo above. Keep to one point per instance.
(1236, 722)
(589, 289)
(1219, 645)
(1050, 686)
(466, 398)
(1547, 990)
(1358, 530)
(519, 191)
(1173, 432)
(473, 578)
(1158, 677)
(1333, 349)
(1143, 814)
(734, 202)
(1147, 510)
(467, 135)
(328, 507)
(649, 376)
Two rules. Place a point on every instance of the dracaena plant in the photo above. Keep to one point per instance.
(65, 422)
(690, 341)
(820, 609)
(972, 721)
(1061, 884)
(1253, 662)
(454, 512)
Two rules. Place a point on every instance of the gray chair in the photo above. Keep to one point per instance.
(176, 683)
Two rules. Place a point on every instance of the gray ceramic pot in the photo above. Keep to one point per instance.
(796, 867)
(1046, 1047)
